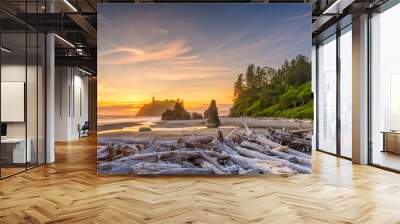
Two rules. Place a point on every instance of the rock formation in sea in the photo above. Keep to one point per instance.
(206, 114)
(212, 115)
(196, 116)
(178, 113)
(156, 107)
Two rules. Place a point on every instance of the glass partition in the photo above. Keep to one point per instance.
(22, 107)
(13, 94)
(327, 95)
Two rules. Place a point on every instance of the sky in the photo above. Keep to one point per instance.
(191, 51)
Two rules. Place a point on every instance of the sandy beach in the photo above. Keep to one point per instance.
(186, 128)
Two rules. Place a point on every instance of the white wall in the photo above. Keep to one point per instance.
(80, 112)
(62, 82)
(71, 103)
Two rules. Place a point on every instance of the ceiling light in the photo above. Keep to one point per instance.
(5, 50)
(70, 5)
(64, 40)
(84, 71)
(328, 10)
(79, 51)
(338, 6)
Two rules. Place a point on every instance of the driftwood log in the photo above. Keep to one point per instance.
(296, 139)
(242, 151)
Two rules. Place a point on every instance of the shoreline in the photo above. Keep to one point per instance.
(173, 128)
(119, 125)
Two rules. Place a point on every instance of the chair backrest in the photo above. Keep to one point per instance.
(86, 125)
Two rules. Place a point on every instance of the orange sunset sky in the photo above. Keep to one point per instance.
(190, 51)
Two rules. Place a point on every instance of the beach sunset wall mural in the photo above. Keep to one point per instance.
(204, 89)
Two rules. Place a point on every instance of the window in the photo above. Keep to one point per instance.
(335, 74)
(385, 89)
(346, 92)
(327, 95)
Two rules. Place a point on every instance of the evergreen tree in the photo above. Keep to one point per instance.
(250, 76)
(238, 87)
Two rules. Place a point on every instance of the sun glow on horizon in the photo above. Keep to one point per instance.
(129, 108)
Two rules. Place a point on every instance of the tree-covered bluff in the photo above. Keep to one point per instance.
(268, 92)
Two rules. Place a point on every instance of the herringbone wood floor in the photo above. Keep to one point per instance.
(70, 191)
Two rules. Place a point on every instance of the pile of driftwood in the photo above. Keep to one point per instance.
(242, 151)
(296, 139)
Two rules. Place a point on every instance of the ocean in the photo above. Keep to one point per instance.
(121, 119)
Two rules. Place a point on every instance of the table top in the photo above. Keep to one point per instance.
(13, 140)
(391, 132)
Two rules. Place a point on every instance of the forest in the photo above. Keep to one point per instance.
(268, 92)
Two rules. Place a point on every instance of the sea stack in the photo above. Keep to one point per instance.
(196, 116)
(212, 116)
(178, 113)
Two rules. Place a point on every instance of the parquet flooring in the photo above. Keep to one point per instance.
(70, 191)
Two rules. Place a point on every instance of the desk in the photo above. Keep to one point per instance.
(391, 141)
(13, 150)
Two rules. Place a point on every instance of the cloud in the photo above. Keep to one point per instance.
(134, 51)
(176, 49)
(305, 15)
(204, 68)
(161, 30)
